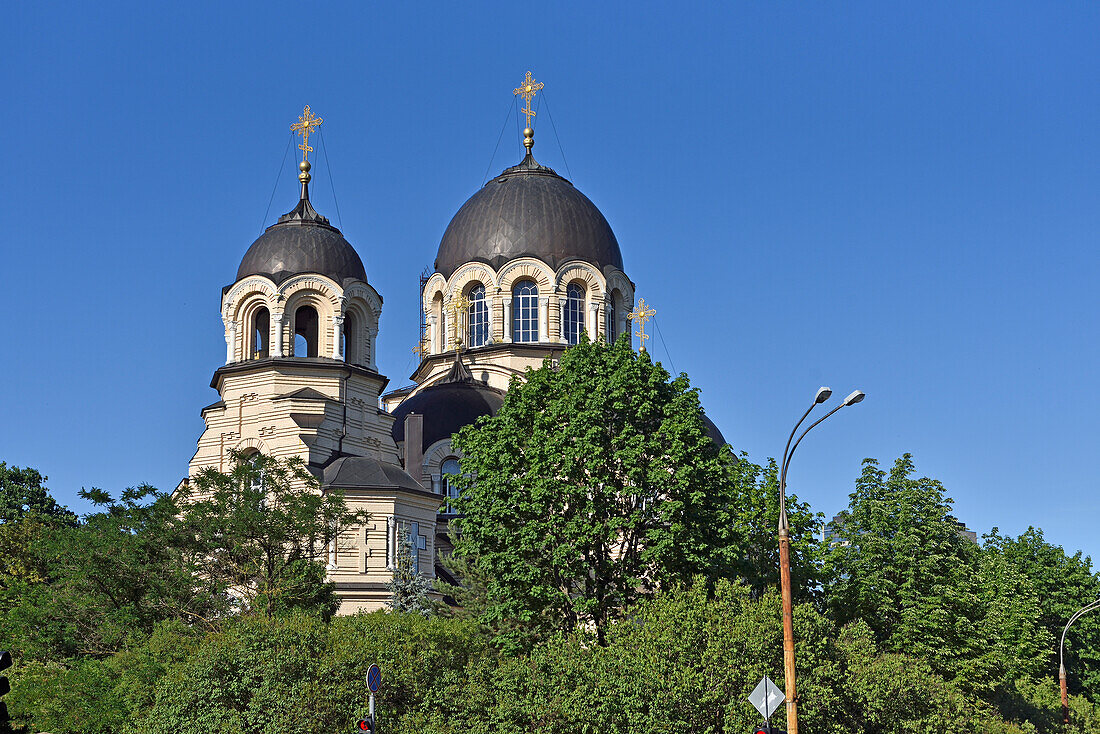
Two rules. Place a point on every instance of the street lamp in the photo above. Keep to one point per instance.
(1061, 654)
(822, 395)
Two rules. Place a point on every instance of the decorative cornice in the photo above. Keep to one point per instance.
(295, 363)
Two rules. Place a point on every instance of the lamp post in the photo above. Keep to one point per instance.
(822, 395)
(1093, 606)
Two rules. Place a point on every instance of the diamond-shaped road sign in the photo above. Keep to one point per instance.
(766, 697)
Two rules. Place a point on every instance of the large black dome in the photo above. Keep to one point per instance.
(455, 401)
(302, 241)
(528, 210)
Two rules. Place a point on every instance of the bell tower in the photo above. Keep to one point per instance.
(300, 380)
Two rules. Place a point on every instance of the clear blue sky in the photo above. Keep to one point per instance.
(900, 199)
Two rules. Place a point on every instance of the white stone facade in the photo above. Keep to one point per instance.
(317, 408)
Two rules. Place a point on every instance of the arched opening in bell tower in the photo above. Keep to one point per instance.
(305, 332)
(351, 346)
(258, 347)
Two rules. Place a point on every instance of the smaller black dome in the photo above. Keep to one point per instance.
(302, 241)
(456, 401)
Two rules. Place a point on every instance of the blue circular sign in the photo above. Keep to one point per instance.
(374, 678)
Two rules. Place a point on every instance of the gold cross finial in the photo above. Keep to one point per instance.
(455, 311)
(420, 349)
(528, 89)
(305, 126)
(640, 315)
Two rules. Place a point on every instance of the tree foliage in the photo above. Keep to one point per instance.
(755, 519)
(264, 529)
(904, 569)
(108, 579)
(595, 484)
(22, 494)
(1062, 584)
(409, 589)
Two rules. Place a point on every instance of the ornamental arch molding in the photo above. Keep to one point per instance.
(319, 285)
(617, 280)
(245, 291)
(249, 304)
(580, 272)
(369, 298)
(436, 285)
(527, 268)
(436, 454)
(469, 274)
(247, 445)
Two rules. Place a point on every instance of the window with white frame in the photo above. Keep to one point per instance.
(525, 311)
(574, 313)
(478, 319)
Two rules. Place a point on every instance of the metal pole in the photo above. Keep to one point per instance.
(785, 553)
(788, 625)
(1092, 606)
(1065, 693)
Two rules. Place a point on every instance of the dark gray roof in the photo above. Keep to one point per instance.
(302, 241)
(351, 472)
(305, 393)
(713, 432)
(455, 401)
(528, 210)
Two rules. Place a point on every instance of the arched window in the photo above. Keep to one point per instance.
(525, 311)
(574, 313)
(437, 338)
(253, 462)
(350, 335)
(305, 332)
(450, 466)
(478, 317)
(615, 313)
(261, 325)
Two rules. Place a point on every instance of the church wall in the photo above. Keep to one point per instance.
(361, 570)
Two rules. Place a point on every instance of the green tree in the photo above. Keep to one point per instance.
(1063, 584)
(595, 484)
(22, 493)
(408, 587)
(107, 581)
(264, 529)
(686, 660)
(298, 674)
(904, 569)
(755, 519)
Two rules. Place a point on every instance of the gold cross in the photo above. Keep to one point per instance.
(640, 315)
(457, 307)
(527, 90)
(305, 127)
(420, 350)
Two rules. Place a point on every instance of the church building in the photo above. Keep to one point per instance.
(525, 267)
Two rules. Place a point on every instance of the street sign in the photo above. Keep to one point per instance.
(766, 697)
(374, 678)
